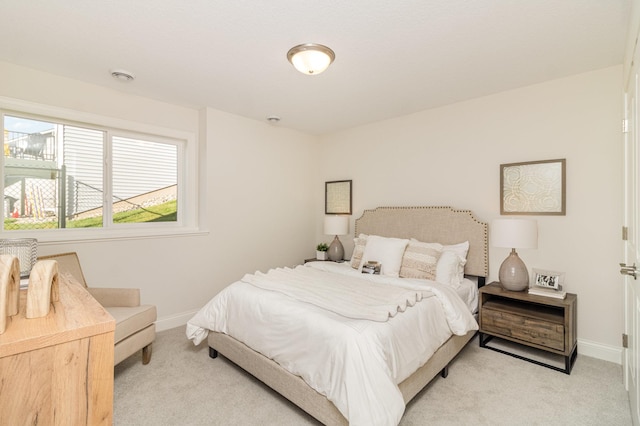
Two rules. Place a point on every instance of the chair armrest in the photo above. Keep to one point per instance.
(111, 297)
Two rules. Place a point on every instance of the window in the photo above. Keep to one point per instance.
(152, 195)
(61, 175)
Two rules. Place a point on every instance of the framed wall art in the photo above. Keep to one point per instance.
(337, 197)
(533, 188)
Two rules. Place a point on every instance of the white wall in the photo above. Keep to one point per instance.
(259, 198)
(263, 186)
(255, 182)
(452, 156)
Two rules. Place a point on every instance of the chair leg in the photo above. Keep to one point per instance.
(146, 354)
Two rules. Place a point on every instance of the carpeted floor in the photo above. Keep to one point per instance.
(183, 386)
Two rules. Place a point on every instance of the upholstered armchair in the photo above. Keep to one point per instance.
(135, 323)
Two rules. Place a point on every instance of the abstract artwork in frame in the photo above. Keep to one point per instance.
(337, 197)
(533, 188)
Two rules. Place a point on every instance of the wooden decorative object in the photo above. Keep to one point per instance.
(58, 369)
(9, 288)
(43, 288)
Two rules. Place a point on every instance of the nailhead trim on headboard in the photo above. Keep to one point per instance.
(441, 224)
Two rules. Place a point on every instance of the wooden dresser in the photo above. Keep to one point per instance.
(58, 369)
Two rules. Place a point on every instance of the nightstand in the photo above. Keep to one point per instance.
(540, 322)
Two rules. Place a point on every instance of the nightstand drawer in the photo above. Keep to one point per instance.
(500, 319)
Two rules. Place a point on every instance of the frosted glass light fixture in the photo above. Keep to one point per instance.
(513, 234)
(336, 225)
(311, 58)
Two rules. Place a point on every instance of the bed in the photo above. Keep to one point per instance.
(310, 391)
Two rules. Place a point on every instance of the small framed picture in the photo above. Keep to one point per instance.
(548, 279)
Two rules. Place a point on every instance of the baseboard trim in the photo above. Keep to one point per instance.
(178, 320)
(600, 351)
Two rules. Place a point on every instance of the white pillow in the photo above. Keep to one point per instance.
(386, 251)
(461, 249)
(449, 269)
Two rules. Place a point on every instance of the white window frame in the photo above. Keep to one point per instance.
(188, 200)
(108, 177)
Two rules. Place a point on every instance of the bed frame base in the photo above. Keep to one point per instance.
(213, 354)
(297, 391)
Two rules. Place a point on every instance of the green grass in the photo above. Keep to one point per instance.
(166, 212)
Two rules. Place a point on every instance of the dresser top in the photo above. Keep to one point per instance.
(76, 315)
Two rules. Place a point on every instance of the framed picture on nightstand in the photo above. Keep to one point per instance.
(548, 279)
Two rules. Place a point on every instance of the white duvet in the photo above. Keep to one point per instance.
(356, 363)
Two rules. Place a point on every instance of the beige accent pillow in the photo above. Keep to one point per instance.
(420, 260)
(358, 250)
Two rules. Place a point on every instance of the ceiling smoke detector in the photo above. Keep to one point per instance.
(273, 119)
(122, 75)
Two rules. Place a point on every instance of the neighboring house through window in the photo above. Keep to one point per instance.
(59, 174)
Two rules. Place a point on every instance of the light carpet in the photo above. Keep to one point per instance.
(183, 386)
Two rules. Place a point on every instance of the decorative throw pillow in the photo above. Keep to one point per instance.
(386, 251)
(358, 250)
(420, 260)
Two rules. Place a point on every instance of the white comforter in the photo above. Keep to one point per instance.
(356, 363)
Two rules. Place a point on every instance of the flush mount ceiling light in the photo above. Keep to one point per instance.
(122, 75)
(311, 58)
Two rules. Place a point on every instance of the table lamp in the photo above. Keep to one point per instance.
(336, 225)
(513, 234)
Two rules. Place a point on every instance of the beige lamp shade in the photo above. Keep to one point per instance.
(336, 225)
(513, 234)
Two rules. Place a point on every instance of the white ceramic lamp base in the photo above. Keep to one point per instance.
(513, 274)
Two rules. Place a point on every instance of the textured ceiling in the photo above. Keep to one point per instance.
(392, 57)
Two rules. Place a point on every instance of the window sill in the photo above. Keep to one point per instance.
(83, 235)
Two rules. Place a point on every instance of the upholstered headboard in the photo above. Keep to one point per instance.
(442, 225)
